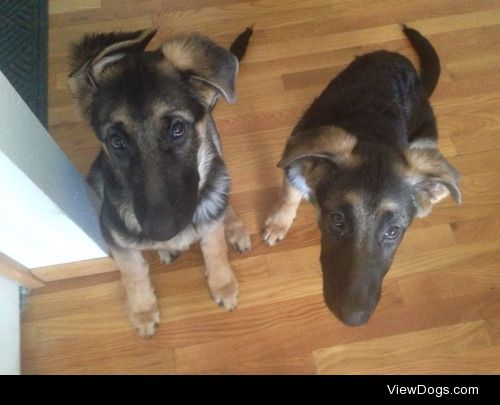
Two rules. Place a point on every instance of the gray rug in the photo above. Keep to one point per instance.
(23, 51)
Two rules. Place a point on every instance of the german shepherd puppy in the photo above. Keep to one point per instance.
(160, 173)
(366, 153)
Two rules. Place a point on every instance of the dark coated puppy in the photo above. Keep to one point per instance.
(366, 152)
(160, 173)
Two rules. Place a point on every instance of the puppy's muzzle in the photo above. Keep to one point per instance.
(351, 293)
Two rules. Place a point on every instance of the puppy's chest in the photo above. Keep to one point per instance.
(182, 241)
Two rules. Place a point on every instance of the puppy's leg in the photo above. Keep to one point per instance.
(282, 214)
(236, 234)
(142, 306)
(221, 279)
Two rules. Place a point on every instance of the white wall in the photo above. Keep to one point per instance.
(9, 327)
(46, 214)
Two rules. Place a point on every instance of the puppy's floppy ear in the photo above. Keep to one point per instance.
(96, 52)
(331, 143)
(432, 178)
(211, 68)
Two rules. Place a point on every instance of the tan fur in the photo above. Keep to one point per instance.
(354, 198)
(330, 142)
(424, 160)
(182, 241)
(205, 93)
(282, 214)
(429, 166)
(180, 52)
(145, 35)
(155, 120)
(122, 114)
(161, 109)
(204, 152)
(313, 172)
(185, 53)
(388, 205)
(236, 234)
(126, 212)
(220, 278)
(424, 143)
(142, 305)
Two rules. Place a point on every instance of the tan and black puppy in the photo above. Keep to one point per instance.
(366, 152)
(160, 174)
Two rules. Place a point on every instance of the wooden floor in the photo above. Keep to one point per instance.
(440, 309)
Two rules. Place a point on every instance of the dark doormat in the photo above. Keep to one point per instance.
(23, 51)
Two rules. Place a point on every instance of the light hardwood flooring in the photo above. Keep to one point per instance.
(440, 309)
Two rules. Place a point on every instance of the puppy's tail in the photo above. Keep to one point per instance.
(429, 59)
(239, 46)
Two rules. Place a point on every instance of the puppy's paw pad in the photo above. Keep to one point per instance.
(227, 296)
(145, 322)
(240, 241)
(275, 231)
(237, 236)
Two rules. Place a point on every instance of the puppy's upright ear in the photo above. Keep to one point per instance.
(433, 178)
(211, 69)
(95, 53)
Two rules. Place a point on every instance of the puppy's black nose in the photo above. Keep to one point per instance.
(347, 315)
(355, 318)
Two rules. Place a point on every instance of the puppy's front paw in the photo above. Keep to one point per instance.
(227, 295)
(145, 321)
(238, 237)
(277, 226)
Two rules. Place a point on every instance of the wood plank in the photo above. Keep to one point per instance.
(493, 325)
(71, 270)
(475, 230)
(459, 348)
(457, 256)
(14, 271)
(427, 287)
(110, 355)
(68, 6)
(477, 127)
(61, 37)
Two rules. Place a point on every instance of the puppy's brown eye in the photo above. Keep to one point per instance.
(177, 129)
(392, 233)
(118, 142)
(337, 220)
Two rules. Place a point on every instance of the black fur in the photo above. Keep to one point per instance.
(240, 44)
(430, 68)
(378, 98)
